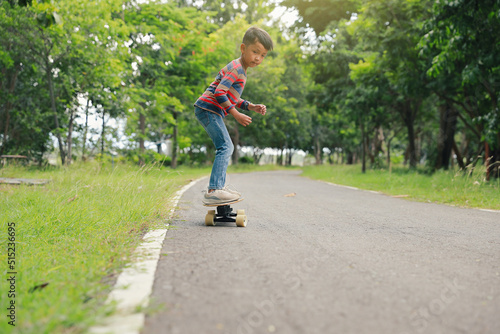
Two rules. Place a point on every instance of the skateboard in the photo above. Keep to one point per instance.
(224, 213)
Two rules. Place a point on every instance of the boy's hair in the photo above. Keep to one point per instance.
(255, 34)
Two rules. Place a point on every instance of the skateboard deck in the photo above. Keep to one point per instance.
(224, 213)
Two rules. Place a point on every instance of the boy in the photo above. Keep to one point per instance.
(221, 98)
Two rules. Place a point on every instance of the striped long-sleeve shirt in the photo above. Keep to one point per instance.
(224, 93)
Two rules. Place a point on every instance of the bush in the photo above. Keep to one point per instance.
(246, 160)
(149, 157)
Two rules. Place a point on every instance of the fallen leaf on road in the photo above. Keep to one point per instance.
(290, 195)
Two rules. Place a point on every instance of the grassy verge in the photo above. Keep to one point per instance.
(448, 187)
(73, 236)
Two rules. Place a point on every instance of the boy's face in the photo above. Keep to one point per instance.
(252, 55)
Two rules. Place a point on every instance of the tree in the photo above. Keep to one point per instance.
(48, 46)
(319, 14)
(166, 57)
(225, 11)
(462, 41)
(368, 104)
(332, 125)
(12, 59)
(393, 29)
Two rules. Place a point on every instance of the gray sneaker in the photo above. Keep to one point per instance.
(219, 196)
(231, 189)
(228, 187)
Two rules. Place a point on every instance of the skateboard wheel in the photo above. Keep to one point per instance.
(241, 220)
(210, 219)
(240, 212)
(211, 212)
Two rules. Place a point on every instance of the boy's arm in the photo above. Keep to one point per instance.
(239, 117)
(222, 91)
(245, 119)
(243, 104)
(258, 108)
(247, 105)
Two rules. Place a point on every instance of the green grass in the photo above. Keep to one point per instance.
(469, 190)
(75, 234)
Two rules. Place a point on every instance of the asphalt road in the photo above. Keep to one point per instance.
(328, 260)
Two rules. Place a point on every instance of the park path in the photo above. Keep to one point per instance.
(330, 259)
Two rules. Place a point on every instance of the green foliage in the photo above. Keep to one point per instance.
(148, 157)
(373, 72)
(246, 160)
(226, 11)
(389, 32)
(319, 14)
(462, 42)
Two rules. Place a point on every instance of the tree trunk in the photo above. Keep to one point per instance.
(331, 157)
(477, 156)
(412, 153)
(349, 158)
(69, 140)
(257, 155)
(495, 161)
(408, 114)
(7, 109)
(317, 151)
(290, 156)
(389, 152)
(389, 141)
(85, 132)
(6, 127)
(142, 129)
(175, 143)
(363, 148)
(460, 159)
(487, 159)
(103, 133)
(279, 158)
(283, 155)
(447, 126)
(56, 119)
(370, 150)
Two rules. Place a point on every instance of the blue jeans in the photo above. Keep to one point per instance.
(216, 129)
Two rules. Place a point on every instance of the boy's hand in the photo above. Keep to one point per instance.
(258, 108)
(241, 118)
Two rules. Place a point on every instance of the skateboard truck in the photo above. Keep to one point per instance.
(225, 214)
